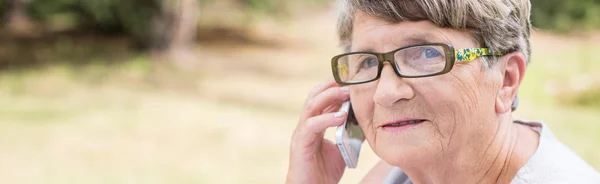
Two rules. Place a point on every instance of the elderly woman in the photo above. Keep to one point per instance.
(432, 83)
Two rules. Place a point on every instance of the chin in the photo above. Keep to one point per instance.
(406, 156)
(406, 147)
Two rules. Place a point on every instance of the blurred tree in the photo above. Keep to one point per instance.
(165, 27)
(18, 21)
(174, 29)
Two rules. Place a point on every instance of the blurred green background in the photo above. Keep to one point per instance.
(209, 91)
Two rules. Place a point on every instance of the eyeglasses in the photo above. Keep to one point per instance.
(422, 60)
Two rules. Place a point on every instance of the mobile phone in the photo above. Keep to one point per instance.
(349, 137)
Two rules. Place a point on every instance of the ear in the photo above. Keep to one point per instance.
(512, 66)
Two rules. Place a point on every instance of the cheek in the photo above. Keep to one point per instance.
(447, 94)
(459, 99)
(439, 98)
(361, 97)
(460, 90)
(473, 91)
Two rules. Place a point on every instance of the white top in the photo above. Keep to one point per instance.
(551, 163)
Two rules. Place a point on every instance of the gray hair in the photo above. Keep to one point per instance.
(500, 25)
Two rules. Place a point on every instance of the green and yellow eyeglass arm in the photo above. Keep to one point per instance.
(469, 54)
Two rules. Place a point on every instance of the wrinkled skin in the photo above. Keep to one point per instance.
(468, 135)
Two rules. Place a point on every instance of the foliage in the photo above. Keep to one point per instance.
(276, 6)
(142, 19)
(134, 16)
(561, 15)
(110, 16)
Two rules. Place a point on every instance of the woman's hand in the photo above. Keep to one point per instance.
(314, 159)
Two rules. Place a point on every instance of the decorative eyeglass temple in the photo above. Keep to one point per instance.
(470, 54)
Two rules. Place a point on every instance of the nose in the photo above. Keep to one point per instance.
(391, 88)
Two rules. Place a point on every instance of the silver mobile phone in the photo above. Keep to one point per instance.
(349, 137)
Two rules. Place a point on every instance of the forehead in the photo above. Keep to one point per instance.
(373, 34)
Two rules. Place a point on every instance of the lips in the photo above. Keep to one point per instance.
(401, 123)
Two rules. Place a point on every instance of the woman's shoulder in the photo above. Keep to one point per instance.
(397, 176)
(553, 162)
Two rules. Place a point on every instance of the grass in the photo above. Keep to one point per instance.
(560, 88)
(229, 120)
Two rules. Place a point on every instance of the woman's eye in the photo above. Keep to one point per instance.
(431, 53)
(368, 63)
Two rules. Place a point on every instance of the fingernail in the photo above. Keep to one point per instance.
(345, 89)
(339, 114)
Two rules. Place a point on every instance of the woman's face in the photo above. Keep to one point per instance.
(455, 110)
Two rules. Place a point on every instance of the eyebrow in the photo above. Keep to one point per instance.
(418, 39)
(407, 40)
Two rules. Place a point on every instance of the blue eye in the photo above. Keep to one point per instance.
(431, 53)
(369, 62)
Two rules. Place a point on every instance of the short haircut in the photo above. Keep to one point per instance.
(500, 25)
